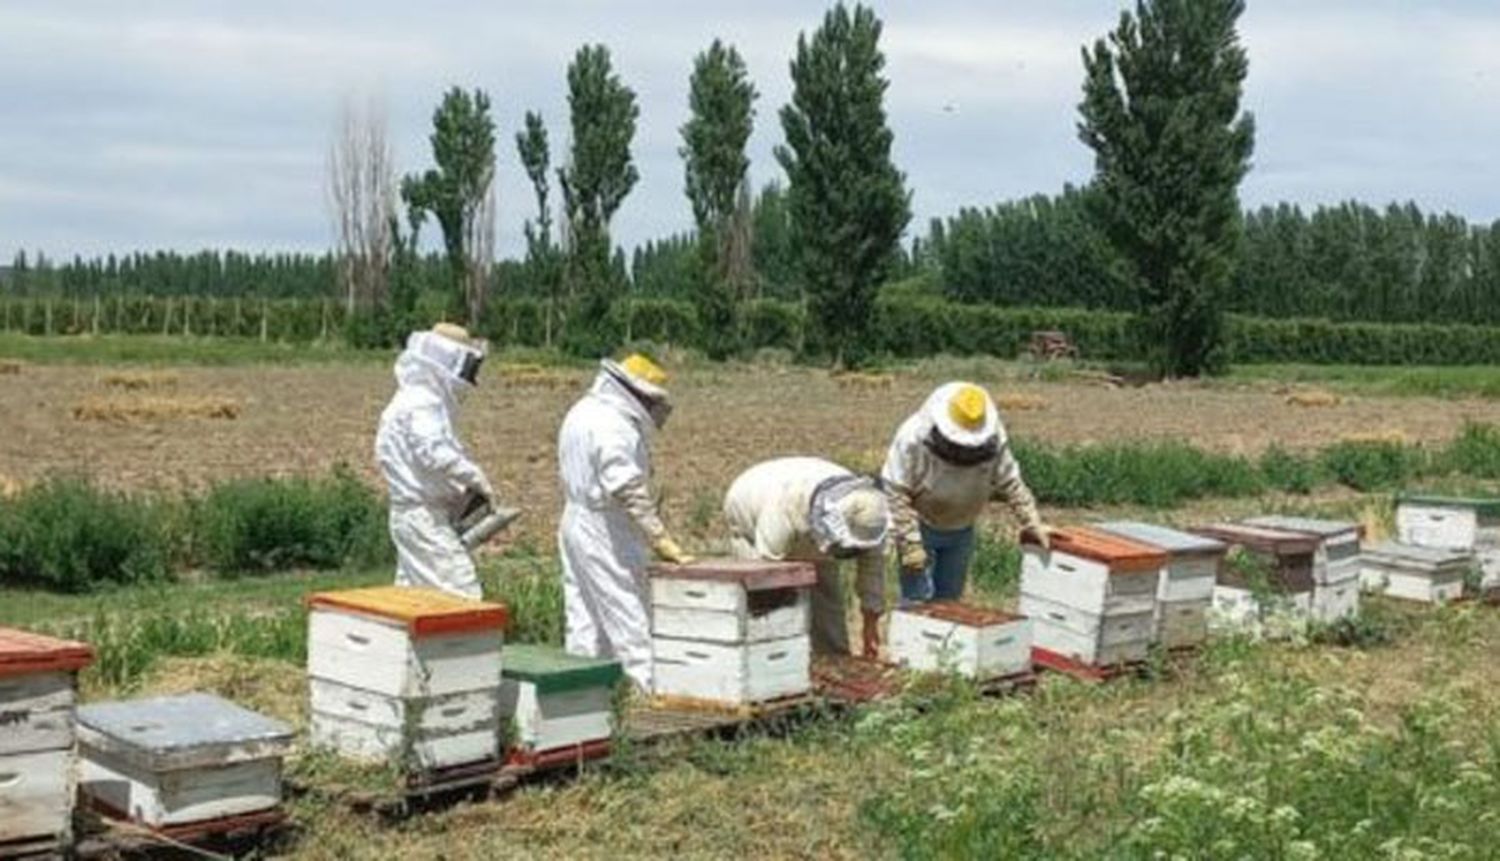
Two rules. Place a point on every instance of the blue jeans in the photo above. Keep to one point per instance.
(947, 571)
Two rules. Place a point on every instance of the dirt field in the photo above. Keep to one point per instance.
(306, 419)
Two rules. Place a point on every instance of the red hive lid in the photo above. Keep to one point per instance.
(1120, 554)
(22, 652)
(963, 614)
(753, 574)
(422, 611)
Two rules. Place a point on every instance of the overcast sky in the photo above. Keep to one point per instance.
(142, 125)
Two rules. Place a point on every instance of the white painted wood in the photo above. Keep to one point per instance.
(1182, 624)
(470, 711)
(1086, 584)
(160, 734)
(183, 795)
(1335, 602)
(1489, 567)
(733, 674)
(36, 712)
(723, 596)
(924, 643)
(1237, 609)
(1431, 589)
(366, 742)
(1437, 526)
(1089, 637)
(36, 794)
(740, 626)
(377, 655)
(543, 722)
(1188, 579)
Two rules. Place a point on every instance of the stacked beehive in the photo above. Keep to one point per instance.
(179, 760)
(1336, 565)
(946, 636)
(1270, 581)
(1186, 588)
(732, 632)
(408, 675)
(1091, 597)
(1432, 575)
(556, 702)
(1465, 524)
(37, 692)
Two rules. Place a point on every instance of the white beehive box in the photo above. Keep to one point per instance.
(37, 695)
(1336, 560)
(1092, 596)
(1238, 609)
(1185, 590)
(556, 701)
(1454, 523)
(731, 631)
(407, 675)
(178, 760)
(1428, 574)
(946, 636)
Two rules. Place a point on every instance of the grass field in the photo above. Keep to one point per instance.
(1387, 748)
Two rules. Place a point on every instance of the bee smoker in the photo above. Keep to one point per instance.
(481, 521)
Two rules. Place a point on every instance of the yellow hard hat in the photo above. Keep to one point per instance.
(967, 407)
(645, 370)
(452, 331)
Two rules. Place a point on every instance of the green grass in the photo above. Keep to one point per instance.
(219, 351)
(1481, 381)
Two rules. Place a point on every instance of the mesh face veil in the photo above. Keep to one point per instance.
(847, 515)
(457, 361)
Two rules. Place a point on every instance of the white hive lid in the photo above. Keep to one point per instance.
(186, 731)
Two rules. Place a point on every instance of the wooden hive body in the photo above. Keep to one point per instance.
(1415, 573)
(176, 760)
(37, 701)
(406, 675)
(951, 637)
(1336, 564)
(1185, 590)
(731, 631)
(555, 700)
(1287, 556)
(1093, 596)
(1458, 523)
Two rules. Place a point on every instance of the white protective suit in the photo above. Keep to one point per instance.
(770, 512)
(426, 468)
(608, 525)
(924, 488)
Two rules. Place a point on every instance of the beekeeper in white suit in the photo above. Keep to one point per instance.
(947, 461)
(428, 472)
(811, 510)
(610, 523)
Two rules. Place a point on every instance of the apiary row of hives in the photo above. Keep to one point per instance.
(1441, 541)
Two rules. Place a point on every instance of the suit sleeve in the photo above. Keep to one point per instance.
(901, 481)
(627, 480)
(1011, 489)
(437, 450)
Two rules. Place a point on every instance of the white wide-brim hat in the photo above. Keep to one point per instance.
(964, 414)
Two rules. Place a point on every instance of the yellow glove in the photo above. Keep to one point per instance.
(1038, 533)
(913, 556)
(668, 549)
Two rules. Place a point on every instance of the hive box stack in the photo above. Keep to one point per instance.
(37, 692)
(1091, 598)
(1469, 524)
(408, 675)
(180, 760)
(1336, 565)
(558, 705)
(1186, 589)
(1429, 574)
(946, 636)
(1285, 563)
(731, 632)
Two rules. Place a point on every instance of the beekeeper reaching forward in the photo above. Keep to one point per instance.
(811, 510)
(428, 472)
(947, 461)
(610, 522)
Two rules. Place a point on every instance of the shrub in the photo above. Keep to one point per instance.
(1287, 471)
(996, 569)
(69, 535)
(1372, 464)
(1475, 452)
(1157, 474)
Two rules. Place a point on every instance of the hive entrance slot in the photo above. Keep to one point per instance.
(770, 600)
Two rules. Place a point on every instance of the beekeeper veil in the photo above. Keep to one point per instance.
(848, 515)
(449, 351)
(646, 382)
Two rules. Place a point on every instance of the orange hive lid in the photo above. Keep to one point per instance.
(22, 652)
(753, 574)
(964, 614)
(1120, 554)
(422, 610)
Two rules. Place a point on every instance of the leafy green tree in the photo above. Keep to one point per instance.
(599, 174)
(1161, 110)
(771, 252)
(543, 263)
(722, 102)
(848, 202)
(458, 193)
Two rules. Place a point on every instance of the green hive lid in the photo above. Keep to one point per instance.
(1484, 506)
(553, 670)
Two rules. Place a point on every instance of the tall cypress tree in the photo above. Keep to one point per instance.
(1161, 110)
(848, 202)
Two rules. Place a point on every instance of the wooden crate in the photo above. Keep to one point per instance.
(1287, 556)
(37, 694)
(556, 701)
(1092, 596)
(731, 631)
(180, 759)
(1185, 590)
(947, 636)
(1413, 573)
